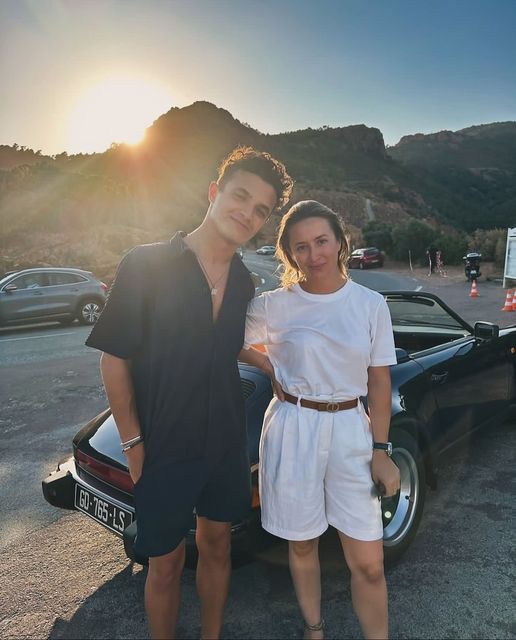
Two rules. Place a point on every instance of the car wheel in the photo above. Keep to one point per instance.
(402, 513)
(89, 311)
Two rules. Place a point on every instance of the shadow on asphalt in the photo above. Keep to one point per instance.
(115, 610)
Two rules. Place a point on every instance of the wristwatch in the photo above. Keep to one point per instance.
(384, 446)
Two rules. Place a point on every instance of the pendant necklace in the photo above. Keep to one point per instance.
(213, 284)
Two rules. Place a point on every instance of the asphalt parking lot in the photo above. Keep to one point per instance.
(65, 577)
(71, 579)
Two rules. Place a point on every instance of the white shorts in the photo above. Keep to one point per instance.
(315, 470)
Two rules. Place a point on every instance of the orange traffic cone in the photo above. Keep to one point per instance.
(509, 301)
(514, 301)
(474, 291)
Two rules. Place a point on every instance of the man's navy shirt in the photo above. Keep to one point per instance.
(184, 366)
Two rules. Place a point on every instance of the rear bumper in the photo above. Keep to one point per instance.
(59, 491)
(59, 487)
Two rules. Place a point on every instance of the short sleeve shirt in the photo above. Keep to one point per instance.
(322, 345)
(184, 366)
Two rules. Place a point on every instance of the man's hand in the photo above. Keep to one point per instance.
(135, 457)
(385, 473)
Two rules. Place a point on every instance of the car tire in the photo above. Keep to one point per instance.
(402, 513)
(89, 311)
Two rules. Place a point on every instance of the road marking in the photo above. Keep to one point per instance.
(50, 335)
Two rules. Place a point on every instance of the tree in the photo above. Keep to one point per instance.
(413, 236)
(378, 234)
(453, 246)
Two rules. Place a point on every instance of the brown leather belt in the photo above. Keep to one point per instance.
(331, 407)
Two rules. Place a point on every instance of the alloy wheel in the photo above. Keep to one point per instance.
(90, 312)
(398, 512)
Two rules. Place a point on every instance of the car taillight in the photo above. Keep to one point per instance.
(116, 477)
(104, 287)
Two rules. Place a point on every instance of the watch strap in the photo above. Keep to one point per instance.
(383, 446)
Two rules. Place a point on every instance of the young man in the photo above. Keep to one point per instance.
(170, 334)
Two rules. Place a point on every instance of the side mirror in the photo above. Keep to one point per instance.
(10, 287)
(486, 331)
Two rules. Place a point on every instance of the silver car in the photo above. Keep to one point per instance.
(51, 293)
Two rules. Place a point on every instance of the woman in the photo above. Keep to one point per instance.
(328, 341)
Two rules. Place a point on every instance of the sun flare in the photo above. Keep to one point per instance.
(117, 109)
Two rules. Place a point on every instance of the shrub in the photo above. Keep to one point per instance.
(485, 242)
(378, 234)
(413, 236)
(453, 246)
(499, 254)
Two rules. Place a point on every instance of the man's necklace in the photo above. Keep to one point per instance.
(213, 284)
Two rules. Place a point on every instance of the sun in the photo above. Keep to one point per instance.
(116, 109)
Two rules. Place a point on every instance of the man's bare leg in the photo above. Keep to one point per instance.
(213, 573)
(163, 592)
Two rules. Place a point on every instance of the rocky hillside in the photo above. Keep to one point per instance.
(476, 165)
(86, 210)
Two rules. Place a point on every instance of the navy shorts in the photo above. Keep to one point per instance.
(166, 495)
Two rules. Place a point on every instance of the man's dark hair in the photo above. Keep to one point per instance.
(263, 165)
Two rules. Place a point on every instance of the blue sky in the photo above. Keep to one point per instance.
(402, 66)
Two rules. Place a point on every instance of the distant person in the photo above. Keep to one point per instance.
(439, 263)
(431, 254)
(170, 334)
(329, 342)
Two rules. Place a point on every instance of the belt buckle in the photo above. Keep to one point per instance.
(332, 407)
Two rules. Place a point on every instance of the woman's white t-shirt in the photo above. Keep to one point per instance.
(321, 345)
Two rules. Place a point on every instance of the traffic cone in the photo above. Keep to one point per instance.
(474, 291)
(514, 301)
(509, 301)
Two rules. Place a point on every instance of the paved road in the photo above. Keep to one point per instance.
(63, 576)
(378, 279)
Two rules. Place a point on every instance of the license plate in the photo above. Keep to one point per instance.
(107, 513)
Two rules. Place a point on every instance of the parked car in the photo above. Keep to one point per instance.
(51, 293)
(442, 362)
(266, 250)
(364, 258)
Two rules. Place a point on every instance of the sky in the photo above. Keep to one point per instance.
(77, 75)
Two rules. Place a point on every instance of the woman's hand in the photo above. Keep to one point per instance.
(135, 457)
(266, 367)
(385, 473)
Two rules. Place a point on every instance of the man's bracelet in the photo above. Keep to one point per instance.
(129, 444)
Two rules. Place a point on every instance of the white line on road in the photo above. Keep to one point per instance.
(49, 335)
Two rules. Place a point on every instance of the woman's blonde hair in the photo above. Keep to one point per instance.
(301, 211)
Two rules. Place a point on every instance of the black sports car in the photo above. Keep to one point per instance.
(450, 378)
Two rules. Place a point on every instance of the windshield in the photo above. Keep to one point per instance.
(421, 312)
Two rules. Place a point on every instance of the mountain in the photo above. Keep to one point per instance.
(477, 165)
(52, 207)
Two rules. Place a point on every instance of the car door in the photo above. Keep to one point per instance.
(469, 377)
(63, 292)
(471, 386)
(27, 300)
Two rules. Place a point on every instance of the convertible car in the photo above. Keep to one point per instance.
(450, 378)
